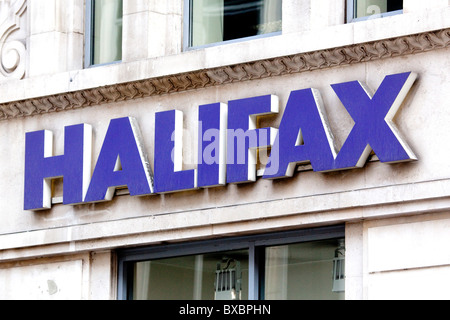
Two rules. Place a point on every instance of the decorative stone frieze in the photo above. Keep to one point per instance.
(291, 64)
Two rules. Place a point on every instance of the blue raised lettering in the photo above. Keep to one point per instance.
(303, 137)
(228, 142)
(374, 128)
(121, 163)
(169, 176)
(212, 156)
(243, 138)
(41, 166)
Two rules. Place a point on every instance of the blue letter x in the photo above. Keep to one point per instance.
(374, 128)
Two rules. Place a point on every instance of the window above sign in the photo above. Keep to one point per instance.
(216, 21)
(358, 10)
(103, 31)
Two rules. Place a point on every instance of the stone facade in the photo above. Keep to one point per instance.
(396, 216)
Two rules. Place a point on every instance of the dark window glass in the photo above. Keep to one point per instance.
(367, 8)
(294, 271)
(221, 20)
(214, 276)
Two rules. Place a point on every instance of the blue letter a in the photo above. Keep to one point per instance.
(121, 163)
(304, 136)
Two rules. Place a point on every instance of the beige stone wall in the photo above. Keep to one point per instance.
(377, 203)
(400, 258)
(70, 277)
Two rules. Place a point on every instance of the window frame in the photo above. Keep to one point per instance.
(89, 38)
(256, 244)
(88, 34)
(351, 13)
(187, 32)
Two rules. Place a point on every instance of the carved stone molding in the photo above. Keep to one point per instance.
(297, 63)
(12, 49)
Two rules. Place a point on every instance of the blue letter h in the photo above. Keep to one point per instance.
(41, 166)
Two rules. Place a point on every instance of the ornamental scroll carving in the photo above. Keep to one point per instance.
(302, 62)
(12, 39)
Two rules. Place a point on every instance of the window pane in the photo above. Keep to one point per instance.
(107, 42)
(220, 20)
(305, 271)
(215, 276)
(364, 8)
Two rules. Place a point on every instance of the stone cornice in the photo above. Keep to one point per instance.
(322, 59)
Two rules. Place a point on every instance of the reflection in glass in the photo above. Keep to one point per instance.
(220, 276)
(107, 31)
(365, 8)
(301, 271)
(220, 20)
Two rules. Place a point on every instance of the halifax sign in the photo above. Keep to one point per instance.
(227, 145)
